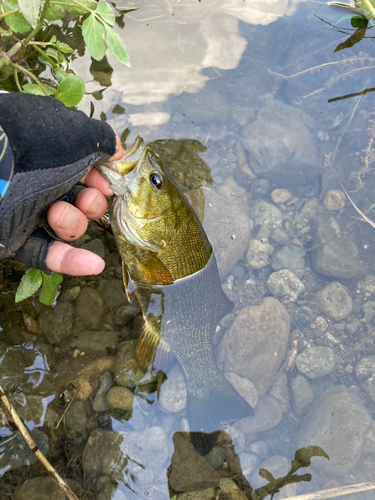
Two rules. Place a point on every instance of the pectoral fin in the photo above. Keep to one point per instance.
(153, 350)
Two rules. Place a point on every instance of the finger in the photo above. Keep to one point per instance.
(65, 259)
(67, 221)
(91, 202)
(119, 151)
(94, 179)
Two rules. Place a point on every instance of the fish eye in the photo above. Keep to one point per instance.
(156, 180)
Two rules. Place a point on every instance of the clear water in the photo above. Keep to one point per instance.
(202, 73)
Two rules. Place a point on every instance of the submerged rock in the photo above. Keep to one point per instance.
(57, 322)
(285, 285)
(335, 301)
(88, 309)
(316, 362)
(257, 254)
(173, 396)
(338, 423)
(268, 414)
(15, 453)
(302, 394)
(255, 344)
(289, 257)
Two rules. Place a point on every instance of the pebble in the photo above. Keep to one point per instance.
(285, 285)
(335, 301)
(338, 423)
(96, 246)
(268, 414)
(257, 254)
(244, 387)
(95, 340)
(100, 403)
(112, 293)
(230, 490)
(365, 368)
(316, 362)
(71, 294)
(120, 398)
(302, 394)
(127, 371)
(280, 196)
(126, 313)
(334, 199)
(288, 257)
(88, 309)
(76, 417)
(280, 391)
(255, 344)
(57, 322)
(173, 396)
(42, 488)
(266, 214)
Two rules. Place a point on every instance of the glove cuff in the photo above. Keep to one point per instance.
(34, 251)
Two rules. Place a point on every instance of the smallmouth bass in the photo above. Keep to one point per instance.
(170, 263)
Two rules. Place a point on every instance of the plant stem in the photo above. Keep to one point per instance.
(370, 7)
(39, 25)
(29, 74)
(53, 64)
(9, 12)
(15, 74)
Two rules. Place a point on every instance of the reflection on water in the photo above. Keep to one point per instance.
(237, 104)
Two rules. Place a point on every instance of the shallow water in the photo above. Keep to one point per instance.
(235, 94)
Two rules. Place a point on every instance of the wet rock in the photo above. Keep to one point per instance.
(279, 236)
(368, 285)
(285, 285)
(266, 214)
(120, 398)
(280, 196)
(368, 386)
(308, 211)
(112, 293)
(76, 417)
(88, 309)
(279, 145)
(42, 488)
(173, 395)
(280, 391)
(277, 465)
(333, 254)
(32, 409)
(335, 301)
(207, 494)
(338, 423)
(259, 448)
(96, 246)
(189, 471)
(302, 394)
(255, 344)
(12, 369)
(257, 254)
(15, 453)
(316, 362)
(71, 294)
(127, 371)
(57, 322)
(244, 387)
(334, 199)
(86, 382)
(94, 340)
(216, 457)
(226, 224)
(288, 257)
(230, 490)
(268, 414)
(100, 403)
(365, 368)
(205, 106)
(126, 313)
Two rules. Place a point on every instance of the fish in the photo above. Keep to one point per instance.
(169, 264)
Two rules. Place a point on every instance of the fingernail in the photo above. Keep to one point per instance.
(68, 218)
(96, 206)
(102, 269)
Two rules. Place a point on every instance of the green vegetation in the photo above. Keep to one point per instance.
(32, 280)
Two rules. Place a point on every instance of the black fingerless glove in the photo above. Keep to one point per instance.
(52, 149)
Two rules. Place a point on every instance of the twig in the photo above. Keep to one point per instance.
(335, 492)
(33, 447)
(66, 409)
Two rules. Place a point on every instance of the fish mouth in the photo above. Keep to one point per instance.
(131, 158)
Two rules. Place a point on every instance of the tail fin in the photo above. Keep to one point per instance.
(216, 408)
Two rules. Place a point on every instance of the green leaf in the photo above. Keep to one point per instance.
(104, 10)
(33, 88)
(64, 47)
(16, 21)
(116, 46)
(30, 282)
(302, 457)
(60, 74)
(93, 33)
(75, 7)
(30, 10)
(54, 13)
(54, 54)
(354, 38)
(71, 90)
(50, 288)
(265, 474)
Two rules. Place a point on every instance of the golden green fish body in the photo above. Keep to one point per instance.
(170, 261)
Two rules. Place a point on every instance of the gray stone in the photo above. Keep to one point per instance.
(365, 367)
(100, 403)
(338, 423)
(316, 362)
(94, 340)
(257, 254)
(76, 417)
(230, 490)
(256, 343)
(127, 370)
(12, 369)
(120, 398)
(244, 387)
(280, 391)
(334, 254)
(42, 488)
(71, 294)
(267, 215)
(15, 453)
(126, 313)
(288, 257)
(277, 465)
(285, 285)
(216, 457)
(368, 386)
(57, 322)
(268, 414)
(226, 223)
(279, 145)
(369, 308)
(31, 409)
(88, 309)
(96, 246)
(189, 471)
(207, 494)
(335, 301)
(302, 394)
(173, 395)
(113, 293)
